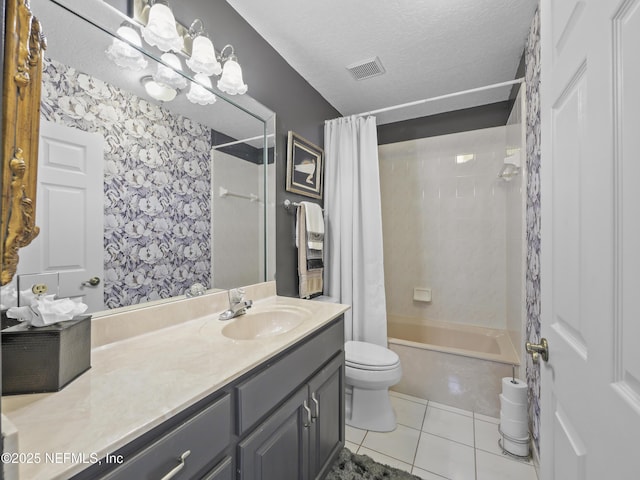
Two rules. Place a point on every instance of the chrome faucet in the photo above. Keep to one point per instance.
(237, 304)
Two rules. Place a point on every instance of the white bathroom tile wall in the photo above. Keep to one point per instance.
(236, 258)
(515, 191)
(444, 227)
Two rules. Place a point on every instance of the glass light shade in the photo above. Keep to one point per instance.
(161, 29)
(198, 94)
(122, 53)
(158, 91)
(203, 57)
(169, 76)
(231, 80)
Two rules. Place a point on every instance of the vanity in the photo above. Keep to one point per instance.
(192, 400)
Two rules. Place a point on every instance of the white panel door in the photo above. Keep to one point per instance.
(590, 106)
(69, 213)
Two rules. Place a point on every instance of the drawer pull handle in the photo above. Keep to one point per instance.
(308, 410)
(178, 467)
(316, 407)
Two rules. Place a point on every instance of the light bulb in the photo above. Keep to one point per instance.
(161, 29)
(170, 76)
(198, 94)
(203, 57)
(158, 91)
(122, 53)
(231, 80)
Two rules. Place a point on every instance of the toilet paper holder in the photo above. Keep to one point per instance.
(523, 442)
(538, 350)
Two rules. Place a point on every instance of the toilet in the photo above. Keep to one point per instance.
(370, 370)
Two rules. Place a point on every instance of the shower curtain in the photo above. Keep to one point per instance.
(354, 270)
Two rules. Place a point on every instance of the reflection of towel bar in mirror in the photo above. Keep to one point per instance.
(223, 192)
(291, 206)
(236, 142)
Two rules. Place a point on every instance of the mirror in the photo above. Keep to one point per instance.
(139, 199)
(24, 46)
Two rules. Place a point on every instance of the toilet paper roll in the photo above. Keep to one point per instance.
(514, 428)
(513, 411)
(514, 392)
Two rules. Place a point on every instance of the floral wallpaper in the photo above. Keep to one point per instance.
(532, 61)
(157, 177)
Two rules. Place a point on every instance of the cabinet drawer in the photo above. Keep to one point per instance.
(205, 436)
(223, 471)
(261, 393)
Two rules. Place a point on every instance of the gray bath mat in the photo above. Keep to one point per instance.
(350, 466)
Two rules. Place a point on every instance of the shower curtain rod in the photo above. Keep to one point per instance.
(442, 97)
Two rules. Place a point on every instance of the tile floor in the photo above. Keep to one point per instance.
(436, 442)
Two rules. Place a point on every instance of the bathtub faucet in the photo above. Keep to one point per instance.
(237, 304)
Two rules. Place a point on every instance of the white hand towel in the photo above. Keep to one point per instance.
(309, 279)
(315, 225)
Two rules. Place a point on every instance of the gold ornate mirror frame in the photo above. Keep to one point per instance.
(22, 78)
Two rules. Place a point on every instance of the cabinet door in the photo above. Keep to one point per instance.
(326, 393)
(279, 447)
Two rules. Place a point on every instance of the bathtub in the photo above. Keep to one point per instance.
(453, 364)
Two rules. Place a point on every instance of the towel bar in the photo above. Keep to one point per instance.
(289, 205)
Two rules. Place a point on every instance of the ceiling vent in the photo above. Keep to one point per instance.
(371, 67)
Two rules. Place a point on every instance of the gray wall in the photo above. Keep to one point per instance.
(475, 118)
(274, 83)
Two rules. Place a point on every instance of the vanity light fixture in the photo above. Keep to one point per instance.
(203, 55)
(158, 91)
(198, 94)
(122, 53)
(161, 30)
(170, 76)
(231, 80)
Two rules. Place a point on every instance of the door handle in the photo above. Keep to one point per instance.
(175, 470)
(316, 407)
(307, 424)
(538, 350)
(92, 282)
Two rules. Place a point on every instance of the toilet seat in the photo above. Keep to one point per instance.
(369, 356)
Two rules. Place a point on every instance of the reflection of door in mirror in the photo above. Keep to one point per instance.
(70, 213)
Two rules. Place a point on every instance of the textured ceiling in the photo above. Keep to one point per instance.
(428, 48)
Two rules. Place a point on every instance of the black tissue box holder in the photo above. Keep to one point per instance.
(45, 359)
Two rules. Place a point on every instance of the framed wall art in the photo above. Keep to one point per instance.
(305, 167)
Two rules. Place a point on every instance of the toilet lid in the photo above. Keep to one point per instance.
(369, 356)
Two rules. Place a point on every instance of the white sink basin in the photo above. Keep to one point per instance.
(261, 323)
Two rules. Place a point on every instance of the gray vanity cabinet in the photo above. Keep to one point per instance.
(278, 447)
(184, 451)
(223, 471)
(326, 435)
(283, 420)
(302, 438)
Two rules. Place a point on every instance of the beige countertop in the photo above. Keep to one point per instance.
(146, 366)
